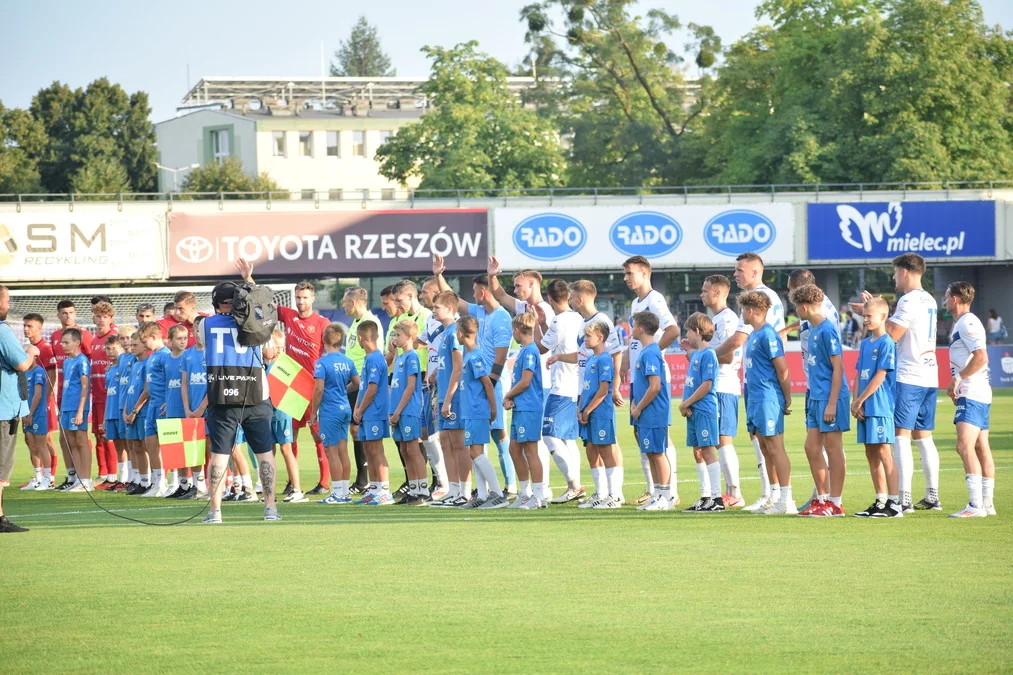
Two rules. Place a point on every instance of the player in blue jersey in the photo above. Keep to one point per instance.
(155, 389)
(179, 336)
(113, 410)
(334, 376)
(479, 411)
(525, 399)
(36, 424)
(873, 408)
(828, 407)
(768, 388)
(127, 362)
(75, 406)
(371, 415)
(650, 411)
(405, 410)
(282, 433)
(494, 337)
(971, 391)
(193, 372)
(597, 414)
(449, 360)
(700, 408)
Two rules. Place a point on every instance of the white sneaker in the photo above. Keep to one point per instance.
(76, 487)
(519, 502)
(757, 505)
(44, 485)
(259, 488)
(969, 512)
(164, 490)
(990, 510)
(33, 484)
(608, 503)
(592, 502)
(152, 491)
(296, 498)
(657, 503)
(530, 504)
(439, 494)
(782, 508)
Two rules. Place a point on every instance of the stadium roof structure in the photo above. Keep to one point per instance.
(298, 93)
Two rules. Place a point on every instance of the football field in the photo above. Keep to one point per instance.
(557, 590)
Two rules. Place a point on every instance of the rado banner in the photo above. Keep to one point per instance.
(597, 237)
(336, 243)
(82, 246)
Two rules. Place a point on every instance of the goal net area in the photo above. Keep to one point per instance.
(124, 300)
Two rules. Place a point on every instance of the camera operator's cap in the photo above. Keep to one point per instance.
(222, 293)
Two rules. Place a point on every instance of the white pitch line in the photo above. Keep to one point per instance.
(555, 487)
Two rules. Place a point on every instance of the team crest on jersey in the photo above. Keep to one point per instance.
(407, 430)
(520, 430)
(647, 442)
(311, 328)
(601, 433)
(376, 429)
(770, 424)
(880, 429)
(467, 435)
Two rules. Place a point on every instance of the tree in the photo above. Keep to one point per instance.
(478, 135)
(863, 91)
(228, 176)
(88, 131)
(22, 140)
(626, 112)
(361, 54)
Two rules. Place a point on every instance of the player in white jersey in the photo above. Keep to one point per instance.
(798, 279)
(971, 392)
(637, 275)
(749, 277)
(582, 300)
(432, 336)
(555, 337)
(729, 388)
(913, 328)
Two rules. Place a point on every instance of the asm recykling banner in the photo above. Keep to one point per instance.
(337, 242)
(601, 237)
(885, 230)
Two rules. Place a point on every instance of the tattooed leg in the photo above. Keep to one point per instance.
(267, 477)
(216, 479)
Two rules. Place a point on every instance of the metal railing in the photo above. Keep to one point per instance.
(463, 195)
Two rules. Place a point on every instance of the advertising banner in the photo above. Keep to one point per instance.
(885, 230)
(1000, 365)
(337, 243)
(601, 237)
(82, 246)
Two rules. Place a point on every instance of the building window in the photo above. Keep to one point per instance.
(305, 144)
(387, 194)
(385, 136)
(335, 195)
(309, 194)
(332, 144)
(278, 146)
(358, 143)
(220, 145)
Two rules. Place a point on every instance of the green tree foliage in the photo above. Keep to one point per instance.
(361, 54)
(862, 91)
(478, 135)
(90, 130)
(21, 142)
(625, 113)
(228, 176)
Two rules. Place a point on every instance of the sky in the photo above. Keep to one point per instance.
(147, 45)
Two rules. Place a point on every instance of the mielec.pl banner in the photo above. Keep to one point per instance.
(82, 246)
(885, 230)
(339, 242)
(601, 237)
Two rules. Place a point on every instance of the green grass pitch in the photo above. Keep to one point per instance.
(558, 590)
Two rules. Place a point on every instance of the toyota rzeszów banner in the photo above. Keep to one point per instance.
(107, 246)
(885, 230)
(601, 237)
(339, 242)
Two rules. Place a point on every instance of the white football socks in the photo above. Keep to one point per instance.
(598, 478)
(543, 458)
(761, 464)
(730, 468)
(645, 466)
(930, 467)
(714, 469)
(905, 461)
(703, 476)
(974, 490)
(434, 451)
(486, 473)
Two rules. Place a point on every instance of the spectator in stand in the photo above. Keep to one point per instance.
(996, 329)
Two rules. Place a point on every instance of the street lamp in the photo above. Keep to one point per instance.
(175, 171)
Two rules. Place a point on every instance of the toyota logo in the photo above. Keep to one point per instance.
(194, 249)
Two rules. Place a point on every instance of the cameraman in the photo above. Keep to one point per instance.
(13, 360)
(237, 395)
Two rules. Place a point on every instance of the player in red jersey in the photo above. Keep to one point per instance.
(105, 450)
(168, 320)
(45, 359)
(304, 342)
(185, 303)
(66, 311)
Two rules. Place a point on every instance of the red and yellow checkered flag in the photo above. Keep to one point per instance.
(291, 386)
(181, 441)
